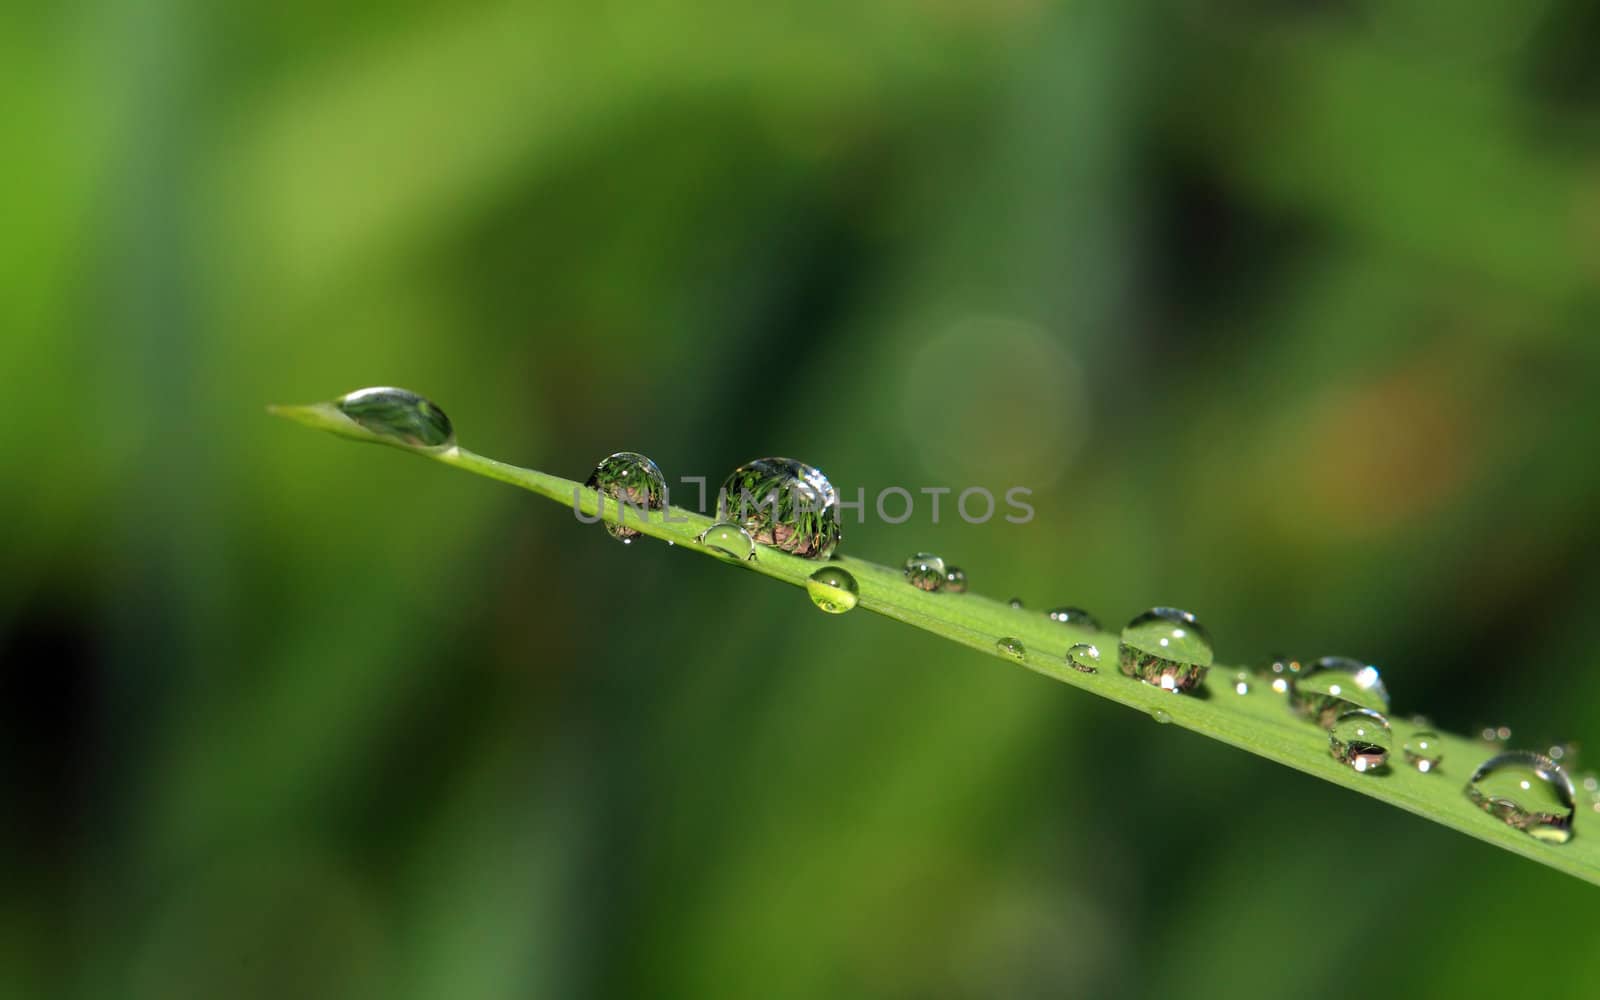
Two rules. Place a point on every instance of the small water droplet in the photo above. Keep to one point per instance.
(1161, 715)
(1011, 647)
(399, 414)
(784, 504)
(1423, 752)
(1015, 603)
(1241, 682)
(833, 590)
(1361, 738)
(1084, 658)
(729, 539)
(1165, 647)
(955, 580)
(925, 571)
(1076, 617)
(1277, 670)
(635, 483)
(1336, 684)
(1528, 791)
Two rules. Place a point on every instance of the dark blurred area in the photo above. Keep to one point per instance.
(1283, 309)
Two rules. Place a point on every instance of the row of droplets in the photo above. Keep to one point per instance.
(788, 505)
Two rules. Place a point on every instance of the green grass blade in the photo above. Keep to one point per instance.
(1258, 722)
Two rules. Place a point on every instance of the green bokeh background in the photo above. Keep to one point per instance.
(1283, 310)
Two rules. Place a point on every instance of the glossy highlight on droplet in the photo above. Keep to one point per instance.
(637, 486)
(1423, 751)
(1167, 648)
(955, 580)
(833, 590)
(1527, 791)
(400, 415)
(784, 504)
(1076, 617)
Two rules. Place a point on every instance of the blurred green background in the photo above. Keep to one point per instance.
(1283, 310)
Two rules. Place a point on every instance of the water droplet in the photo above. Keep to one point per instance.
(1011, 647)
(833, 590)
(1278, 670)
(925, 571)
(1528, 791)
(1361, 738)
(1161, 715)
(400, 414)
(1084, 658)
(636, 483)
(1076, 617)
(1241, 682)
(1423, 752)
(729, 539)
(785, 504)
(955, 580)
(1165, 647)
(1336, 684)
(1015, 603)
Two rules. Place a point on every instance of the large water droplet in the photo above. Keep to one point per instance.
(729, 539)
(1528, 791)
(1336, 684)
(1361, 738)
(399, 414)
(636, 483)
(925, 571)
(955, 580)
(1084, 658)
(1165, 647)
(1076, 617)
(1423, 751)
(1278, 670)
(784, 504)
(833, 590)
(1011, 647)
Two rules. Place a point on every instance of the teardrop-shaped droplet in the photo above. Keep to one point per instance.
(730, 540)
(635, 483)
(1011, 647)
(955, 580)
(784, 504)
(1528, 791)
(1278, 670)
(1165, 647)
(1161, 715)
(1076, 617)
(1084, 658)
(1336, 684)
(1362, 739)
(925, 571)
(1423, 751)
(400, 415)
(1015, 604)
(833, 590)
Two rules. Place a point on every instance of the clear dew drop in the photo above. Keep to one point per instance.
(1015, 603)
(1076, 617)
(1362, 739)
(1528, 791)
(1161, 715)
(1011, 647)
(1084, 658)
(1241, 682)
(925, 571)
(1277, 671)
(955, 580)
(635, 483)
(400, 415)
(729, 539)
(833, 590)
(1336, 684)
(1423, 752)
(783, 504)
(1165, 647)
